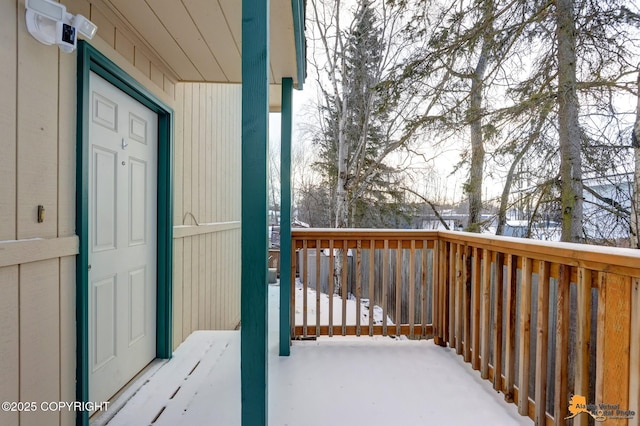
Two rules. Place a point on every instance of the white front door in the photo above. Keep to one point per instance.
(123, 146)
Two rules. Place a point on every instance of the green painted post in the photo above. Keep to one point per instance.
(297, 7)
(255, 137)
(285, 216)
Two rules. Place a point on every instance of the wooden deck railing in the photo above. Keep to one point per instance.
(542, 321)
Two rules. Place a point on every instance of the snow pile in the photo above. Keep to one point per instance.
(351, 311)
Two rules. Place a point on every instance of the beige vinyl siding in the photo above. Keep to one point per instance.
(38, 166)
(206, 285)
(37, 263)
(8, 101)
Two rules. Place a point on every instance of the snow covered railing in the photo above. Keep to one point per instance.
(564, 319)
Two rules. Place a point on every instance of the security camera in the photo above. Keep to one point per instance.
(66, 37)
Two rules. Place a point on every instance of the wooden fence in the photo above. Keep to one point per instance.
(542, 321)
(405, 261)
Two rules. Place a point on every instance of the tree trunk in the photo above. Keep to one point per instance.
(342, 195)
(635, 200)
(504, 199)
(474, 185)
(569, 131)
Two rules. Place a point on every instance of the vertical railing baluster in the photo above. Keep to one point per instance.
(583, 338)
(371, 284)
(466, 298)
(292, 293)
(385, 283)
(475, 310)
(485, 322)
(423, 291)
(524, 351)
(443, 274)
(398, 282)
(451, 292)
(358, 284)
(436, 293)
(497, 320)
(542, 332)
(344, 286)
(305, 285)
(412, 288)
(318, 285)
(510, 333)
(562, 346)
(330, 278)
(600, 333)
(459, 300)
(634, 348)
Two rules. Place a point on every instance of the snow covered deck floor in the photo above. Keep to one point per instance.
(337, 381)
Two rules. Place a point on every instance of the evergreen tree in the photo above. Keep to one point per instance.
(355, 141)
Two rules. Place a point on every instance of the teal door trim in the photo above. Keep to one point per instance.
(255, 138)
(89, 59)
(286, 118)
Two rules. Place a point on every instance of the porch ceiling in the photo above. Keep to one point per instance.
(200, 40)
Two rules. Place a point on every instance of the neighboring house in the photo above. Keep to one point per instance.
(120, 190)
(607, 209)
(606, 214)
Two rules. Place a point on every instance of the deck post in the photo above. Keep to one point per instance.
(285, 216)
(254, 242)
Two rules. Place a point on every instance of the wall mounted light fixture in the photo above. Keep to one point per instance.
(49, 23)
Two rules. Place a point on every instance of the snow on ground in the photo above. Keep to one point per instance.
(378, 381)
(351, 311)
(338, 381)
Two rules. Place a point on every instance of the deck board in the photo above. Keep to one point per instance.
(438, 388)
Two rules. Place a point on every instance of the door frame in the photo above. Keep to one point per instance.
(90, 59)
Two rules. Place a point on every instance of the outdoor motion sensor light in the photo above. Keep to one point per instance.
(85, 26)
(49, 23)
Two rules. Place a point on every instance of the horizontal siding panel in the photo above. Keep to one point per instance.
(37, 249)
(203, 228)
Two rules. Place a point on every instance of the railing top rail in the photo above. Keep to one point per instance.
(362, 233)
(550, 250)
(601, 258)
